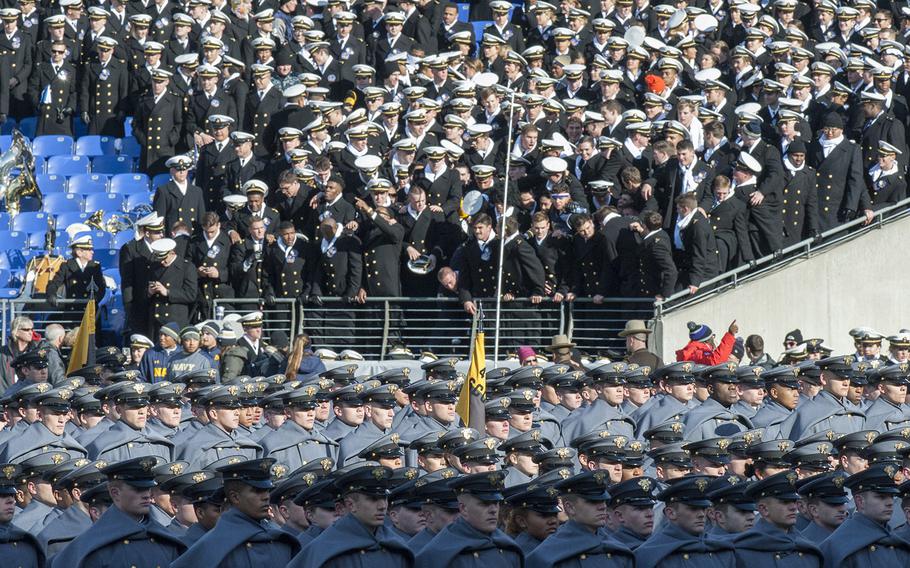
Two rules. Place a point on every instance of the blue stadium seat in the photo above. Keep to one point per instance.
(80, 128)
(107, 257)
(128, 126)
(28, 126)
(87, 183)
(94, 145)
(129, 183)
(107, 202)
(40, 164)
(29, 221)
(111, 165)
(479, 26)
(134, 200)
(130, 147)
(56, 203)
(61, 240)
(464, 11)
(160, 180)
(122, 238)
(101, 239)
(29, 204)
(51, 183)
(68, 165)
(36, 241)
(64, 220)
(13, 240)
(8, 126)
(6, 140)
(4, 221)
(50, 145)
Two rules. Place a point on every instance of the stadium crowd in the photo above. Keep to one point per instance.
(331, 150)
(328, 149)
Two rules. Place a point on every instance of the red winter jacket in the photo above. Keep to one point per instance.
(704, 354)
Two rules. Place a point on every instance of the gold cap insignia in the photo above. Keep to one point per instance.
(198, 477)
(870, 436)
(490, 443)
(838, 481)
(848, 359)
(58, 458)
(563, 453)
(233, 390)
(890, 470)
(701, 484)
(687, 367)
(410, 473)
(676, 427)
(645, 484)
(528, 394)
(564, 473)
(552, 492)
(537, 372)
(43, 387)
(535, 435)
(784, 445)
(620, 441)
(394, 438)
(723, 443)
(176, 468)
(792, 477)
(448, 474)
(9, 471)
(600, 477)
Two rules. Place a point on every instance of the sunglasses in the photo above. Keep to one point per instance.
(58, 52)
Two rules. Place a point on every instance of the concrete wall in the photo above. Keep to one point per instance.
(862, 282)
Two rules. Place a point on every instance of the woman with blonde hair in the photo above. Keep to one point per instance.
(302, 364)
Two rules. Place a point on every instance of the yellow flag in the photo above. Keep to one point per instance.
(470, 401)
(83, 353)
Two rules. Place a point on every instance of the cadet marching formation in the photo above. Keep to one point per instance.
(800, 463)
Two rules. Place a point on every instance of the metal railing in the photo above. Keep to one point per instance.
(382, 327)
(780, 259)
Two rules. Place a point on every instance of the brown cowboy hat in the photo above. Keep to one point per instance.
(634, 327)
(560, 341)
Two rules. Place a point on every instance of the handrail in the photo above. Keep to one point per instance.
(807, 246)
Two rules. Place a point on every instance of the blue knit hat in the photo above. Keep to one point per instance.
(698, 332)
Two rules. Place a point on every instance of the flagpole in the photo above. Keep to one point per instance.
(502, 228)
